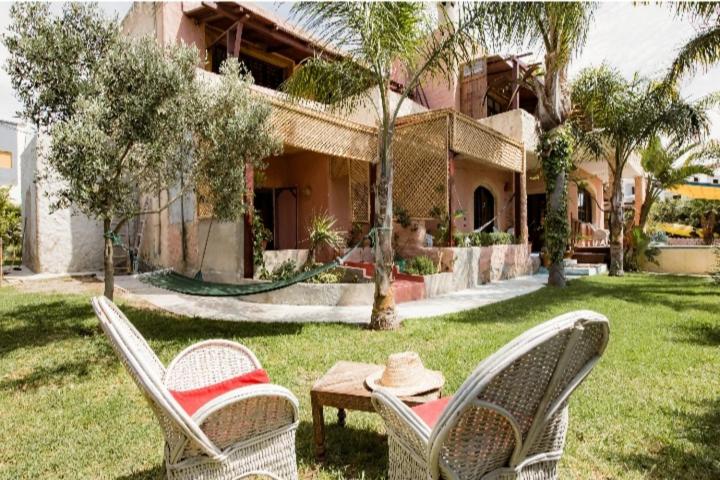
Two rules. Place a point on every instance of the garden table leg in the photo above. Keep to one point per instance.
(318, 427)
(341, 417)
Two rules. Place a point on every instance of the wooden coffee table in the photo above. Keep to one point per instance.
(343, 387)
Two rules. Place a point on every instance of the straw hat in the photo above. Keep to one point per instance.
(404, 375)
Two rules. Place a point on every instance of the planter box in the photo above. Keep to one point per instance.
(340, 294)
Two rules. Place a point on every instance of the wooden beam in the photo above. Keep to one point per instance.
(238, 38)
(223, 34)
(283, 38)
(273, 31)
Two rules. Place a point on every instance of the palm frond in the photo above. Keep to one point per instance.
(343, 84)
(703, 51)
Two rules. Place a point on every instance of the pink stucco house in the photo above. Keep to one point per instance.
(467, 146)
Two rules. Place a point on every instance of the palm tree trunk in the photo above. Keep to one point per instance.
(616, 226)
(646, 206)
(384, 314)
(109, 263)
(557, 208)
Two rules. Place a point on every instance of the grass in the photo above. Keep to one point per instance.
(651, 409)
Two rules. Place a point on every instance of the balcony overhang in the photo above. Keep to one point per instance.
(469, 138)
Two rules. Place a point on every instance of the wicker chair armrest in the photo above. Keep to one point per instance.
(402, 423)
(209, 362)
(248, 414)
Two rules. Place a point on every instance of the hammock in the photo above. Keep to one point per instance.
(170, 280)
(173, 281)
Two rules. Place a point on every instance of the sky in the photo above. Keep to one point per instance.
(630, 37)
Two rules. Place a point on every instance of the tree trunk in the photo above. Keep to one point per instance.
(109, 265)
(616, 226)
(384, 314)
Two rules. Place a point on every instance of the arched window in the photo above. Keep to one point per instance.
(585, 206)
(484, 204)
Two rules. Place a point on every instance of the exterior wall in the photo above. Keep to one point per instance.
(59, 241)
(310, 174)
(14, 138)
(694, 260)
(470, 175)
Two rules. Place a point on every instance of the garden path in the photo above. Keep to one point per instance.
(234, 309)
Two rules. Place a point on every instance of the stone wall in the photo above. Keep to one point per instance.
(692, 260)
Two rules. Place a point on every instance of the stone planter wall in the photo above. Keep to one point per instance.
(341, 294)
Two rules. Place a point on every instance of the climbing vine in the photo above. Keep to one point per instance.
(555, 149)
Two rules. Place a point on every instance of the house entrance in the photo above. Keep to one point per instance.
(278, 208)
(536, 218)
(484, 206)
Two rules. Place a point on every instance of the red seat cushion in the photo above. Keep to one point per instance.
(430, 412)
(192, 400)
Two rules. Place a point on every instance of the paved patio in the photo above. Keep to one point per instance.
(234, 309)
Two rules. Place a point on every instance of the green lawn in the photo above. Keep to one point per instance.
(651, 409)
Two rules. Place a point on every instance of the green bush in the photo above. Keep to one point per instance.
(421, 265)
(284, 271)
(10, 228)
(485, 239)
(334, 275)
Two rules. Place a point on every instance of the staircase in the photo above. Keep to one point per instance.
(592, 255)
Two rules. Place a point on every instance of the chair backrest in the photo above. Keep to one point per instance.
(147, 371)
(512, 410)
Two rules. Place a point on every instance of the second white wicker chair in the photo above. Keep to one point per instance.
(509, 419)
(244, 431)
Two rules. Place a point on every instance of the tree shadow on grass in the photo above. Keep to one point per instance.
(704, 334)
(153, 473)
(694, 454)
(680, 294)
(354, 452)
(38, 324)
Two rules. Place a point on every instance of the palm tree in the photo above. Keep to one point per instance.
(616, 117)
(380, 42)
(668, 167)
(704, 48)
(560, 30)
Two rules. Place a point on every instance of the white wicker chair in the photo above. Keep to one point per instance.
(508, 420)
(249, 430)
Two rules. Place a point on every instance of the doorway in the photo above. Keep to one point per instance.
(278, 209)
(484, 206)
(536, 205)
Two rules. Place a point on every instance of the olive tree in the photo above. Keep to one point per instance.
(137, 122)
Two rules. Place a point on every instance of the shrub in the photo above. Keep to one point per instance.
(284, 271)
(10, 226)
(421, 265)
(334, 275)
(321, 231)
(485, 239)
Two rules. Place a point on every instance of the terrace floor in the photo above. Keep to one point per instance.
(234, 309)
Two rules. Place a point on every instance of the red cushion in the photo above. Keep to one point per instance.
(192, 400)
(430, 412)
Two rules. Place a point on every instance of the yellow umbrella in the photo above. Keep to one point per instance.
(702, 191)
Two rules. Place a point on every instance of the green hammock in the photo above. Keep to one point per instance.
(173, 281)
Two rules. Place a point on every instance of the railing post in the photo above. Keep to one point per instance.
(451, 187)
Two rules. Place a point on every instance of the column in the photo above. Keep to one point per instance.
(248, 266)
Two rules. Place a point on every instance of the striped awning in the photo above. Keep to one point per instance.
(699, 191)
